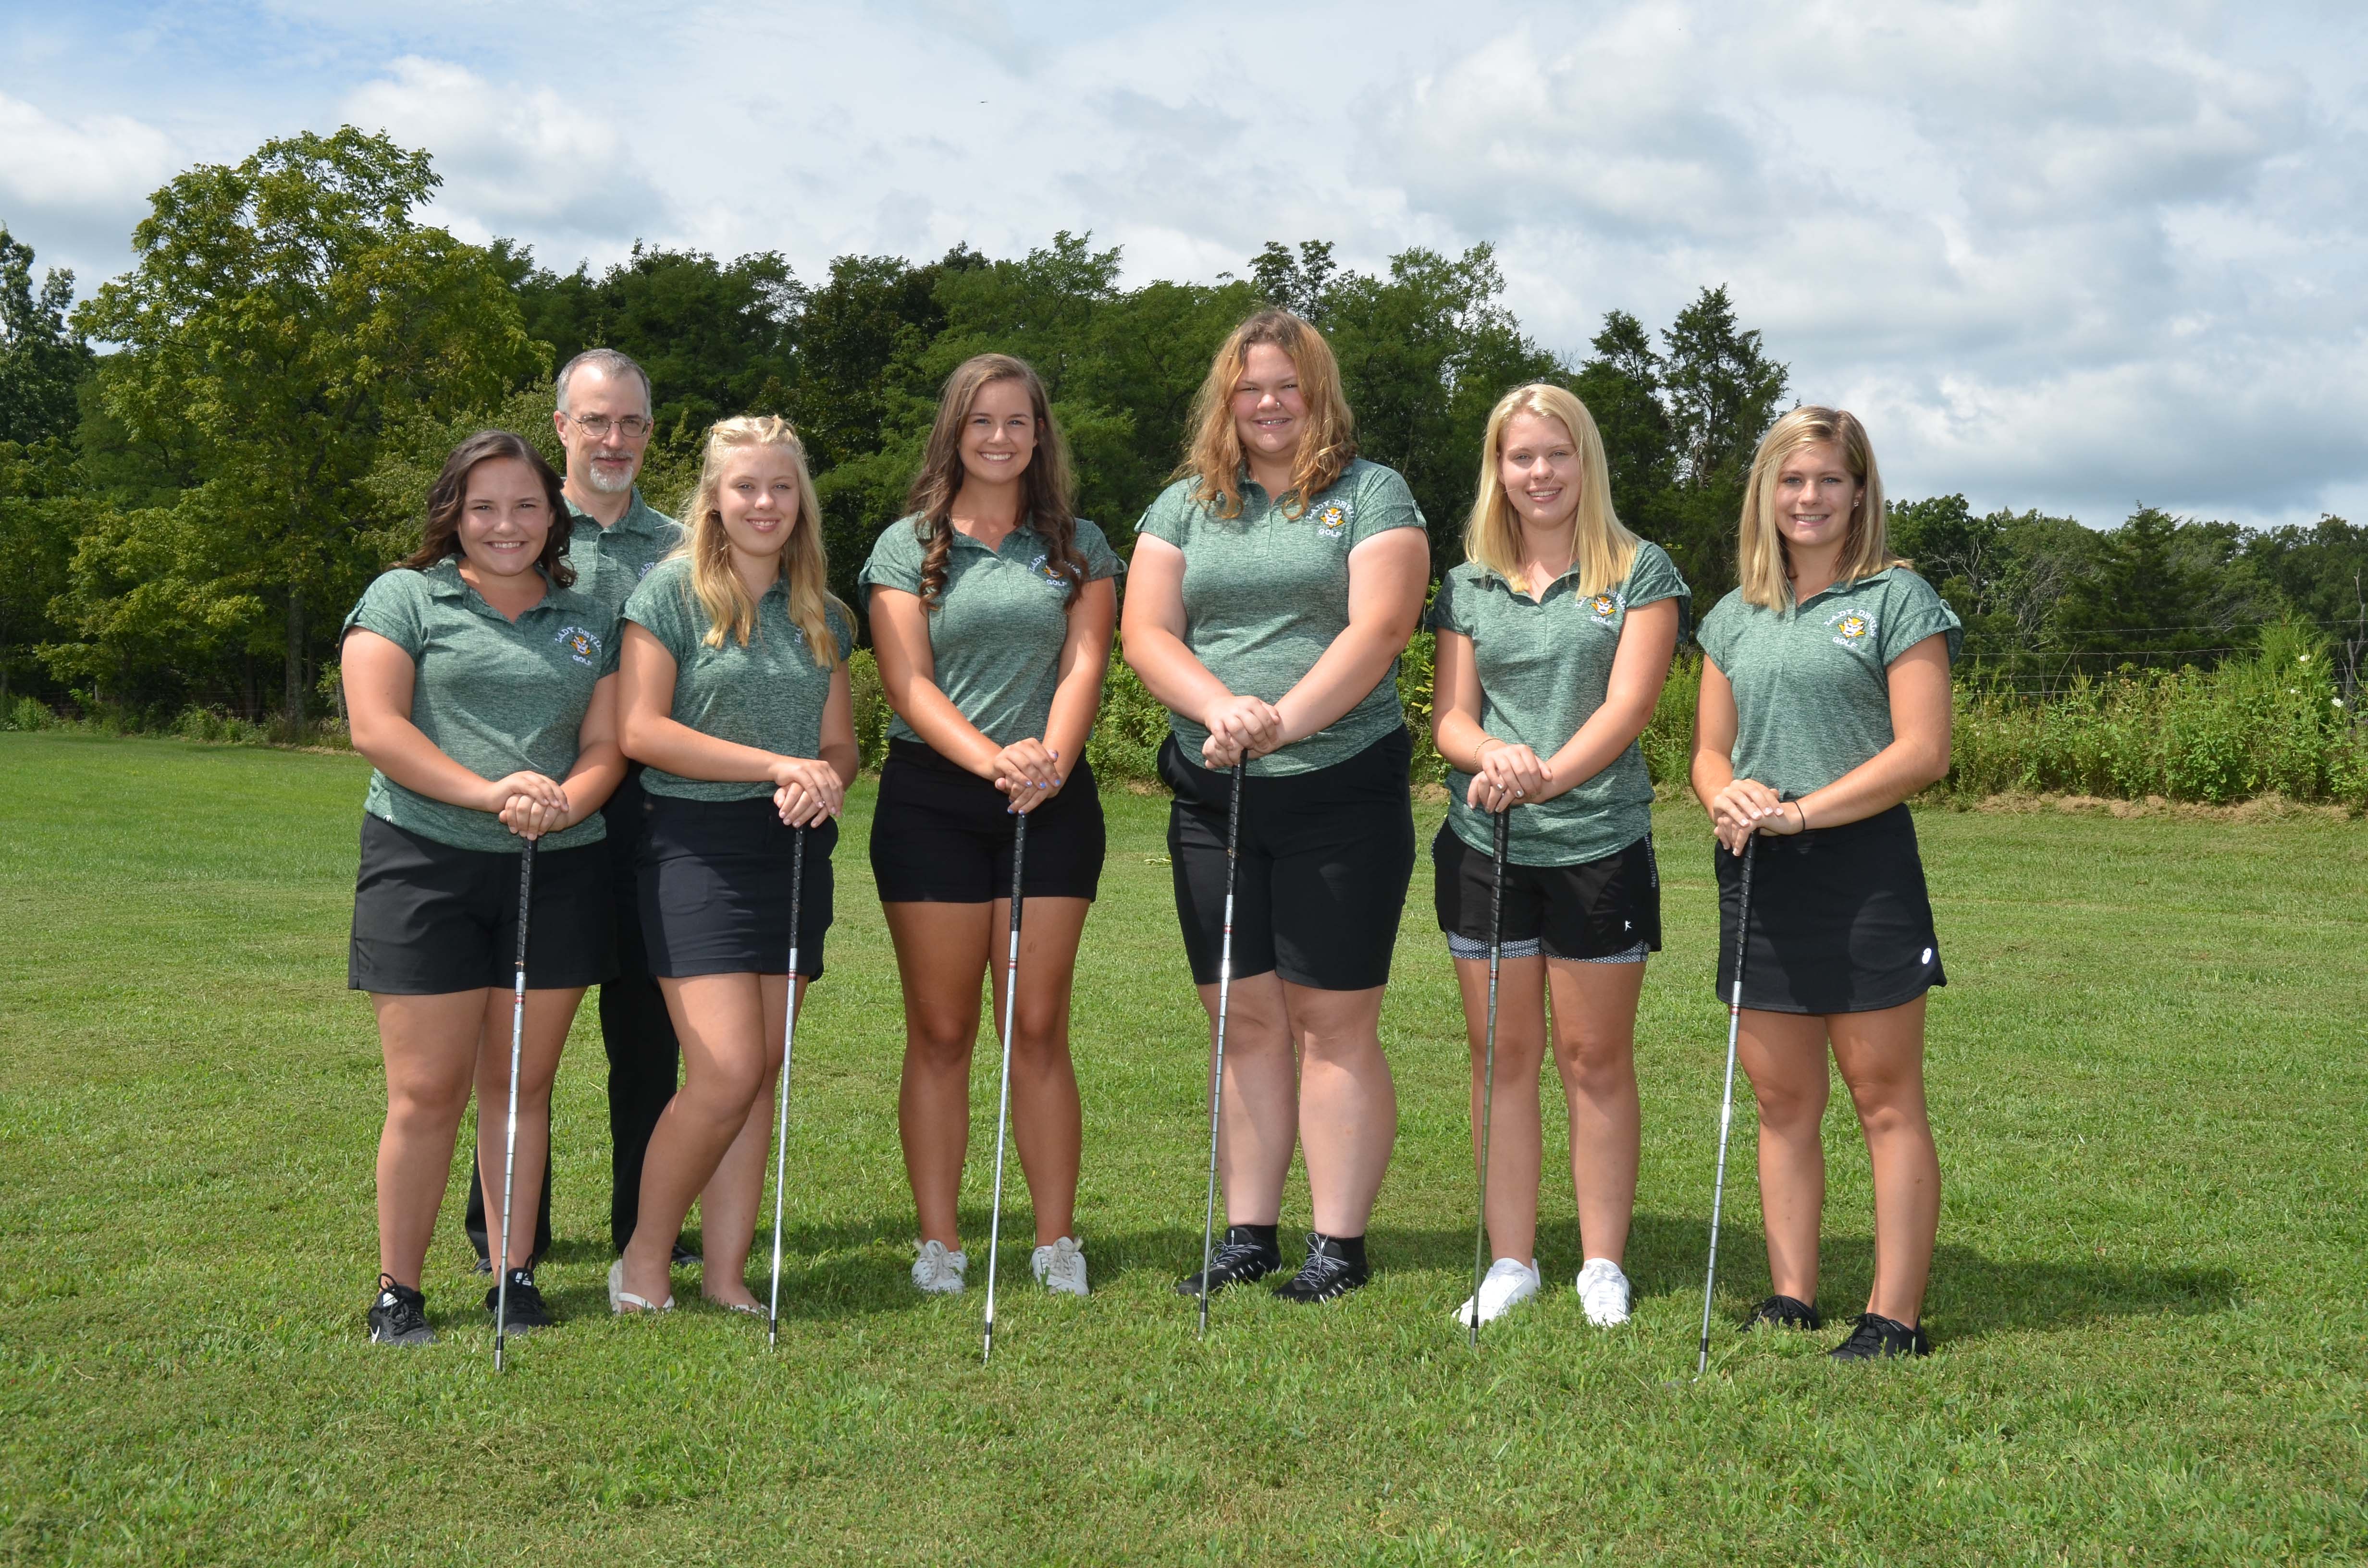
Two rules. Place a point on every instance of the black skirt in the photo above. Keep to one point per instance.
(1840, 922)
(714, 881)
(431, 918)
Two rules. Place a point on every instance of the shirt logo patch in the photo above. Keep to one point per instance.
(1042, 570)
(1604, 610)
(644, 571)
(1851, 629)
(582, 646)
(1333, 517)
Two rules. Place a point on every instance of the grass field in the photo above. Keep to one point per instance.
(2148, 1081)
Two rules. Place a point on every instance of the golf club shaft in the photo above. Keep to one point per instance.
(509, 1151)
(1727, 1100)
(1217, 1068)
(781, 1096)
(1488, 1070)
(1003, 1101)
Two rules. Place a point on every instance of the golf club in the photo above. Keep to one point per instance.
(781, 1111)
(1488, 1070)
(1726, 1103)
(509, 1150)
(1217, 1073)
(1003, 1103)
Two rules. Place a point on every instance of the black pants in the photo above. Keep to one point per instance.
(636, 1031)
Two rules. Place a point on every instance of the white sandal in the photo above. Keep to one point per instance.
(621, 1300)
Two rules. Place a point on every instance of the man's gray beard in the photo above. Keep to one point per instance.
(607, 486)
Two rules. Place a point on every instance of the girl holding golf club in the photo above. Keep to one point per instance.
(1825, 704)
(1554, 637)
(483, 692)
(991, 605)
(1273, 585)
(736, 699)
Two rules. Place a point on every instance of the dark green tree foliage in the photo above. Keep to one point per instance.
(2145, 598)
(43, 359)
(1298, 284)
(41, 514)
(2322, 570)
(1621, 385)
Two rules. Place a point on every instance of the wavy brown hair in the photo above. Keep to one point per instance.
(439, 539)
(1326, 446)
(1048, 496)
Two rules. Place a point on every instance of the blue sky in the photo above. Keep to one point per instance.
(2073, 257)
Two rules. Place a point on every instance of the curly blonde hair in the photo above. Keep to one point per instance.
(1326, 446)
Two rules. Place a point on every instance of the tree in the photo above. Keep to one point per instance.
(37, 518)
(2143, 596)
(2322, 570)
(1300, 284)
(1722, 393)
(42, 357)
(279, 313)
(1621, 386)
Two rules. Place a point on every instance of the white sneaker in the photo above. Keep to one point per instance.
(1605, 1293)
(1507, 1285)
(1061, 1268)
(937, 1272)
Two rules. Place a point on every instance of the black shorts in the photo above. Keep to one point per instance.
(1601, 910)
(430, 919)
(1839, 919)
(941, 835)
(1325, 857)
(713, 882)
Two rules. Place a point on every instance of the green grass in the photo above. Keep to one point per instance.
(2148, 1082)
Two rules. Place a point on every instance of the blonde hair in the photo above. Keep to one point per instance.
(1760, 553)
(1603, 551)
(1328, 444)
(730, 608)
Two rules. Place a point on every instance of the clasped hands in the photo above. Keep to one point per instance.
(1746, 807)
(1240, 728)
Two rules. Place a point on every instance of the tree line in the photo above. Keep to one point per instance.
(186, 516)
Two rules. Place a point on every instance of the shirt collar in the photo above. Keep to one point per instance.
(445, 581)
(1839, 585)
(639, 518)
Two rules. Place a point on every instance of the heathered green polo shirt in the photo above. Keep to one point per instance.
(1265, 594)
(496, 697)
(1545, 666)
(1812, 693)
(997, 630)
(769, 695)
(611, 563)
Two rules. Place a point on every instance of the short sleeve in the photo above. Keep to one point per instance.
(1917, 611)
(895, 558)
(1653, 577)
(393, 607)
(1717, 633)
(1442, 616)
(1167, 516)
(1383, 503)
(1101, 561)
(657, 607)
(834, 617)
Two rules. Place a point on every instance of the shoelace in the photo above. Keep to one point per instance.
(1324, 1268)
(1232, 1254)
(1868, 1331)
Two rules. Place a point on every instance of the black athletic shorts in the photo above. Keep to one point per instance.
(1839, 919)
(1325, 857)
(714, 881)
(430, 918)
(942, 835)
(1602, 911)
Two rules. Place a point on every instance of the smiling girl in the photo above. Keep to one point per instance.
(1554, 639)
(483, 692)
(736, 699)
(1825, 704)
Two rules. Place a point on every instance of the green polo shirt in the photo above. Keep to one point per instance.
(1545, 666)
(611, 563)
(995, 633)
(496, 697)
(1266, 593)
(769, 695)
(1812, 691)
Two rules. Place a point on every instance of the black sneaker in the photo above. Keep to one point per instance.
(399, 1316)
(1880, 1338)
(1240, 1258)
(1784, 1311)
(526, 1309)
(685, 1258)
(1329, 1273)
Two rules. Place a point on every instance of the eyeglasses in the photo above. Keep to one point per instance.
(632, 426)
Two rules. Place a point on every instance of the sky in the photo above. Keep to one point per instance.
(2072, 257)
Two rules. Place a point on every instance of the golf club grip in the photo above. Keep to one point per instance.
(781, 1114)
(1224, 991)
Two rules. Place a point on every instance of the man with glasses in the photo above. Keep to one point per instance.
(604, 421)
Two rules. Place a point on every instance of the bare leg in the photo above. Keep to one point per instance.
(1047, 1121)
(1784, 1055)
(1516, 1137)
(942, 957)
(1881, 1056)
(548, 1015)
(1348, 1106)
(734, 1196)
(1595, 1048)
(429, 1044)
(1260, 1125)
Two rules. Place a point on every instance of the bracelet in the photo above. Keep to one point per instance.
(1803, 812)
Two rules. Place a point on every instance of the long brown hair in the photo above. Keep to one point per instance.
(1326, 446)
(439, 539)
(730, 608)
(1760, 551)
(1048, 496)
